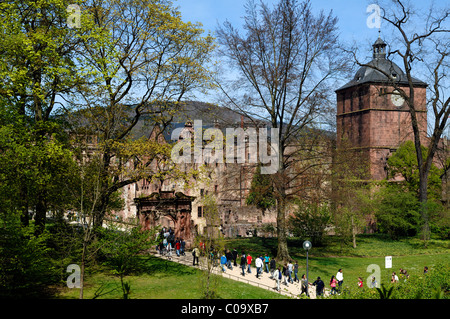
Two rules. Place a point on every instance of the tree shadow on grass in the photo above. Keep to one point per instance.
(154, 265)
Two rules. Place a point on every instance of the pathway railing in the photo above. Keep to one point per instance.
(217, 271)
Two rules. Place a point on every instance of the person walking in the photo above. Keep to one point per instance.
(273, 265)
(277, 275)
(196, 255)
(340, 279)
(259, 265)
(249, 263)
(182, 247)
(177, 248)
(243, 264)
(223, 262)
(285, 274)
(303, 285)
(333, 282)
(235, 254)
(296, 272)
(266, 262)
(290, 269)
(319, 286)
(230, 257)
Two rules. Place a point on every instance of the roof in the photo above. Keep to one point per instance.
(368, 73)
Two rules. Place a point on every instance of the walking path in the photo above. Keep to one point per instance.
(292, 290)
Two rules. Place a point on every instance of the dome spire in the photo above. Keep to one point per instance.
(379, 48)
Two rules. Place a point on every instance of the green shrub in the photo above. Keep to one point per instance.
(434, 284)
(25, 266)
(398, 213)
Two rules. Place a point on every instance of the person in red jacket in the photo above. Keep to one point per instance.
(360, 282)
(249, 262)
(177, 247)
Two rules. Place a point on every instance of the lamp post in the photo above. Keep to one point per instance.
(307, 246)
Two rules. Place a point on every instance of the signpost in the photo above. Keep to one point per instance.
(388, 262)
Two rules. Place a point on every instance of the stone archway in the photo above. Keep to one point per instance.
(172, 208)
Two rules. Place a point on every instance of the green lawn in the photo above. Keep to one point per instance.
(162, 279)
(325, 261)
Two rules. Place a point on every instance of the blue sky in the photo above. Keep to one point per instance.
(351, 13)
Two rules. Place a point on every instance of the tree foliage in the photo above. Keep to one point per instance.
(261, 191)
(310, 221)
(70, 101)
(139, 60)
(25, 267)
(404, 163)
(397, 213)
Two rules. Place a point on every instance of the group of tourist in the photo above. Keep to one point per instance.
(403, 275)
(261, 263)
(288, 273)
(336, 282)
(168, 242)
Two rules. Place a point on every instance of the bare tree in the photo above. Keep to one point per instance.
(285, 63)
(422, 44)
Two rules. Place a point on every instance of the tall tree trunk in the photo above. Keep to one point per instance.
(282, 251)
(353, 232)
(423, 198)
(83, 262)
(24, 217)
(100, 212)
(41, 210)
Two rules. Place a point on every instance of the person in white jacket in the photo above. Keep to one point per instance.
(277, 275)
(259, 265)
(340, 279)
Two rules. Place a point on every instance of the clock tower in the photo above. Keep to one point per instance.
(372, 118)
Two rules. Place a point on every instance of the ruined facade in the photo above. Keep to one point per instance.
(228, 183)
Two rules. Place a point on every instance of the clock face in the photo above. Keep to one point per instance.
(397, 99)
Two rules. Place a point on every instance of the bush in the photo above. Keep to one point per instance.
(398, 213)
(426, 286)
(310, 221)
(433, 285)
(25, 266)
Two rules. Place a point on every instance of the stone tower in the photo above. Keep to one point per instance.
(371, 118)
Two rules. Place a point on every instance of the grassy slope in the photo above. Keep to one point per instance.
(325, 261)
(163, 279)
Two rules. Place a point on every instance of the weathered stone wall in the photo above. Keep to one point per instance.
(242, 221)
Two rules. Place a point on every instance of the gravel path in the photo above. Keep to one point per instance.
(291, 290)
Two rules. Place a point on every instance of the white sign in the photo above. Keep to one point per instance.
(388, 262)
